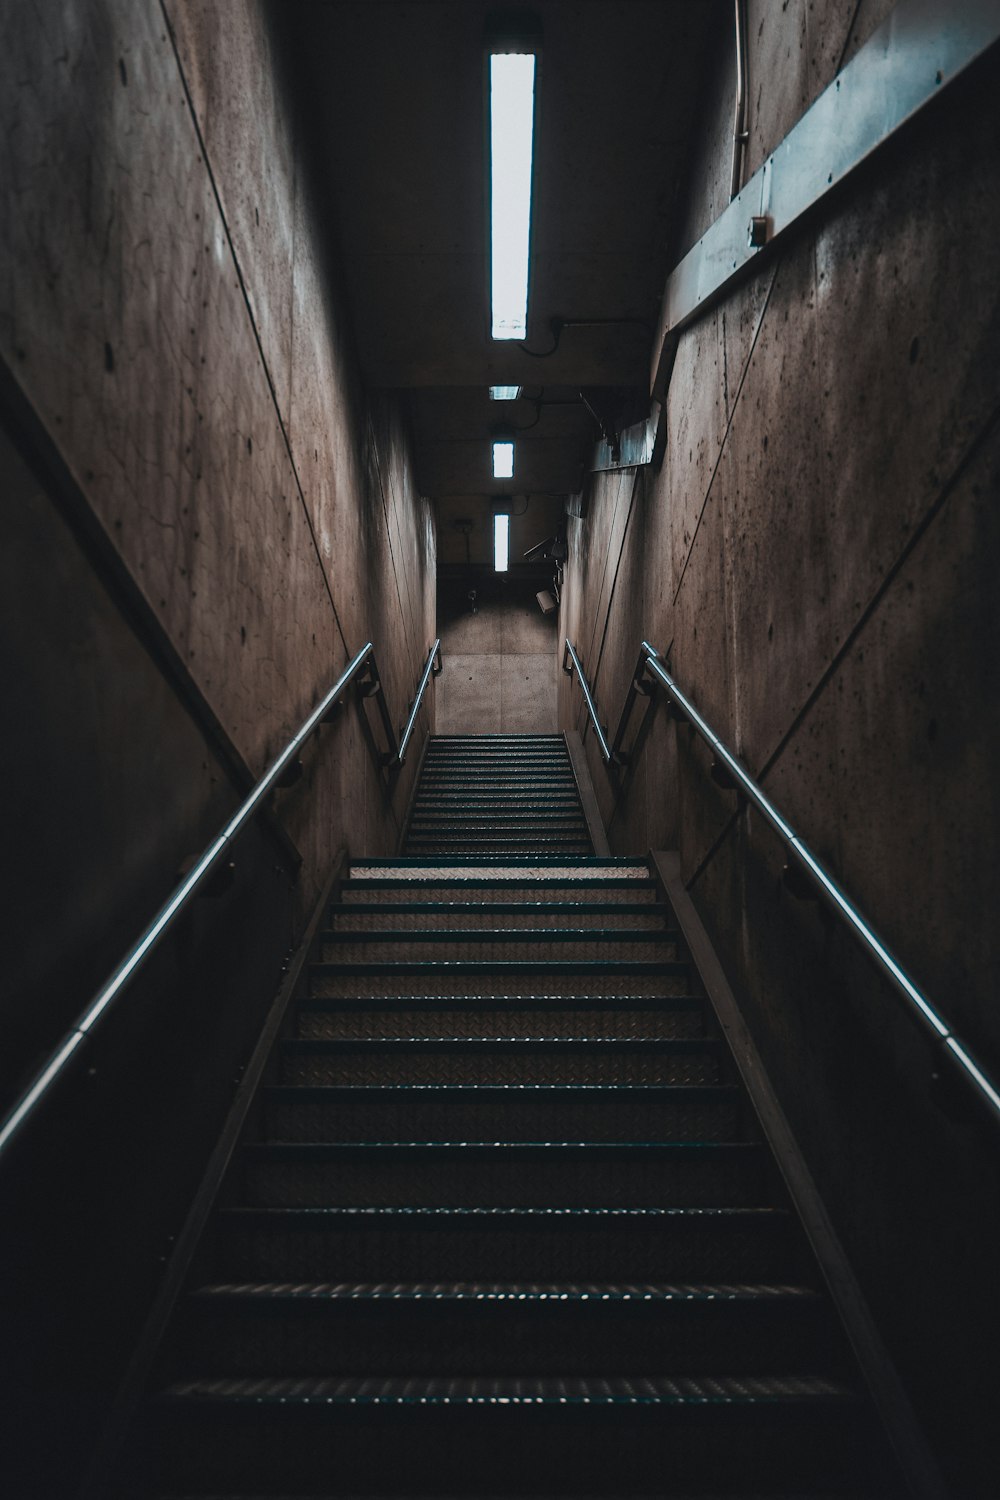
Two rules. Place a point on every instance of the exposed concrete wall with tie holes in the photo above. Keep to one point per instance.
(817, 554)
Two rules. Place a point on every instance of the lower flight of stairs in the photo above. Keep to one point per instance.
(505, 1223)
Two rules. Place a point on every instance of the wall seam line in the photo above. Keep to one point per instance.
(729, 423)
(916, 536)
(604, 570)
(614, 581)
(385, 512)
(253, 322)
(396, 512)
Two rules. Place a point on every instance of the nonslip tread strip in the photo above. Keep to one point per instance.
(317, 1093)
(612, 935)
(498, 966)
(429, 1216)
(475, 1003)
(504, 1046)
(521, 1292)
(525, 1150)
(514, 1390)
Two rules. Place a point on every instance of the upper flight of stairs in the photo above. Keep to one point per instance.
(504, 1222)
(497, 794)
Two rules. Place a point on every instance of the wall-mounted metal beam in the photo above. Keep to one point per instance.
(920, 48)
(637, 445)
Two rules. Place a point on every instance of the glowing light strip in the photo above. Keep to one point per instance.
(512, 109)
(501, 542)
(503, 460)
(868, 937)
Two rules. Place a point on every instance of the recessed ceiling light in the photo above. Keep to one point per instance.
(503, 459)
(512, 109)
(504, 392)
(501, 542)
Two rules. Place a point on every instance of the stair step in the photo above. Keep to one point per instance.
(430, 916)
(514, 754)
(470, 1017)
(537, 779)
(502, 978)
(459, 811)
(624, 869)
(537, 785)
(486, 795)
(417, 1243)
(464, 815)
(502, 1060)
(706, 1112)
(506, 1435)
(498, 844)
(475, 891)
(526, 827)
(278, 1328)
(348, 945)
(529, 1175)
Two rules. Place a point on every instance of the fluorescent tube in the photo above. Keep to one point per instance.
(501, 542)
(512, 108)
(503, 460)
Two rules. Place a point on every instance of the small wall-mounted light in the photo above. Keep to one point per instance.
(504, 392)
(547, 602)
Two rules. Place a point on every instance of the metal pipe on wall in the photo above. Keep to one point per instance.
(740, 132)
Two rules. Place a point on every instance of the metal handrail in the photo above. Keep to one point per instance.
(602, 738)
(434, 656)
(150, 939)
(916, 1004)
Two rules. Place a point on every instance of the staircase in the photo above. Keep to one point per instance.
(507, 1224)
(497, 794)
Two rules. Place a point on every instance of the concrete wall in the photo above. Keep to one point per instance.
(498, 664)
(818, 555)
(206, 516)
(169, 317)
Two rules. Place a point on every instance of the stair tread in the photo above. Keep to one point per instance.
(619, 935)
(319, 1149)
(474, 1390)
(471, 1046)
(502, 908)
(493, 879)
(308, 1214)
(629, 1090)
(540, 1002)
(472, 1291)
(504, 966)
(586, 862)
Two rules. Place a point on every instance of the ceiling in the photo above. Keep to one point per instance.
(395, 100)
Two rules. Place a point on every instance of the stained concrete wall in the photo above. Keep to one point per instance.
(206, 517)
(499, 662)
(818, 555)
(169, 315)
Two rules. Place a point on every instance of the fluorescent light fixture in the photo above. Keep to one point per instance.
(501, 542)
(504, 392)
(512, 108)
(503, 460)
